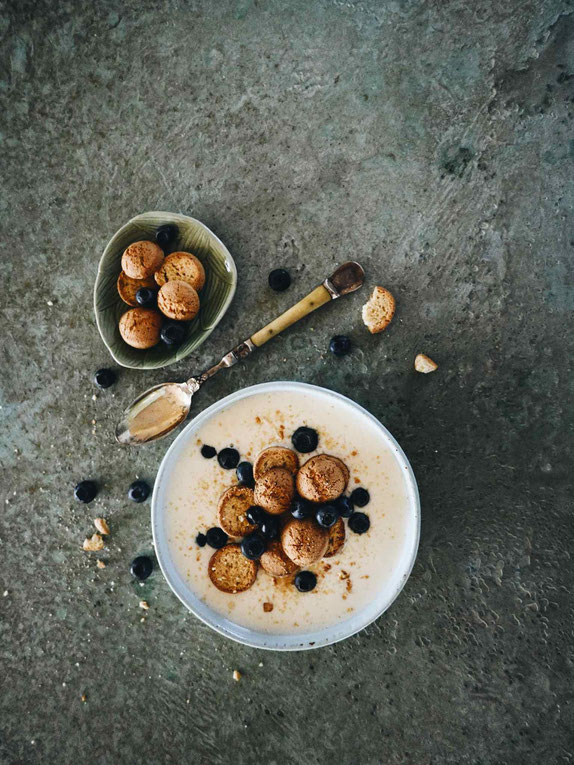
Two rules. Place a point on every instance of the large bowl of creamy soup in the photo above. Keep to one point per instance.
(334, 597)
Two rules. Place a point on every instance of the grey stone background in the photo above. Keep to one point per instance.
(430, 140)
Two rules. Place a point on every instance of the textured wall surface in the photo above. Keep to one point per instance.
(430, 140)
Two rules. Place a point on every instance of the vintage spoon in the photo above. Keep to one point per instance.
(162, 408)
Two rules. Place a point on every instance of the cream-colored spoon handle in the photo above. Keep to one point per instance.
(318, 297)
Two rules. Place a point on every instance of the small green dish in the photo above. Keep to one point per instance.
(215, 297)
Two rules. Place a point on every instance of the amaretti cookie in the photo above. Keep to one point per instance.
(275, 562)
(231, 509)
(182, 267)
(322, 478)
(275, 490)
(379, 310)
(178, 300)
(275, 456)
(142, 259)
(304, 541)
(141, 327)
(336, 538)
(230, 570)
(128, 287)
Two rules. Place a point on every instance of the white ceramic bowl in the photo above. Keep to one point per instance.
(284, 642)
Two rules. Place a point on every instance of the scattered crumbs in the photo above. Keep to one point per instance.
(357, 480)
(267, 607)
(326, 566)
(354, 453)
(102, 525)
(144, 604)
(365, 576)
(50, 303)
(93, 543)
(94, 397)
(100, 564)
(258, 420)
(236, 675)
(84, 698)
(5, 594)
(349, 585)
(142, 619)
(343, 575)
(260, 664)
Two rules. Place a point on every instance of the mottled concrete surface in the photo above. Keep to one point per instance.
(431, 141)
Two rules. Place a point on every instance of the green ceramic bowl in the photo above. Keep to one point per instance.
(215, 297)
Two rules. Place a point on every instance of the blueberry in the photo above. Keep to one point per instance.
(146, 297)
(279, 279)
(345, 507)
(305, 439)
(208, 452)
(139, 491)
(172, 333)
(340, 345)
(104, 378)
(245, 474)
(141, 567)
(301, 509)
(201, 540)
(359, 523)
(327, 516)
(167, 234)
(360, 497)
(253, 547)
(305, 581)
(255, 514)
(228, 458)
(269, 527)
(216, 537)
(85, 491)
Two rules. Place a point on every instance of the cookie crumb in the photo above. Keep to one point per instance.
(144, 604)
(93, 543)
(84, 698)
(102, 525)
(100, 564)
(424, 364)
(236, 675)
(267, 607)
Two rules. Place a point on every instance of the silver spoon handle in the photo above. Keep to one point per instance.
(236, 354)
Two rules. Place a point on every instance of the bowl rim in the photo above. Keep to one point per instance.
(99, 276)
(276, 641)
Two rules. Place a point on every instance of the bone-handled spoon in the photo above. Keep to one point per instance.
(162, 408)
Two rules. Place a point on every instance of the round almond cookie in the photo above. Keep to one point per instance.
(322, 478)
(182, 267)
(304, 541)
(128, 287)
(142, 259)
(178, 300)
(275, 456)
(231, 509)
(275, 562)
(230, 570)
(275, 490)
(141, 327)
(336, 538)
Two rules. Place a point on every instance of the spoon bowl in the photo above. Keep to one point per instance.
(155, 413)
